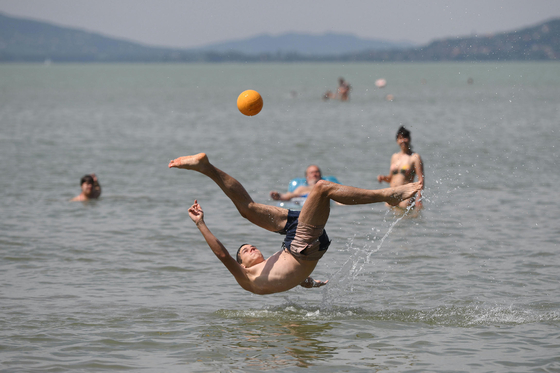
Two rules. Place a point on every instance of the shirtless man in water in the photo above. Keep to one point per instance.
(90, 188)
(306, 240)
(312, 175)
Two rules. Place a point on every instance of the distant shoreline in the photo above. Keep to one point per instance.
(30, 41)
(61, 63)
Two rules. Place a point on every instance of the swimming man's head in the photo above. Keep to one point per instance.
(312, 174)
(86, 179)
(86, 183)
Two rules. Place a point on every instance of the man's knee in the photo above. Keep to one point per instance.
(323, 187)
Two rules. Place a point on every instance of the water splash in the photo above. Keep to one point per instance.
(342, 281)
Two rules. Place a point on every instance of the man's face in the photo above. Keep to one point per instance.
(250, 256)
(87, 188)
(312, 174)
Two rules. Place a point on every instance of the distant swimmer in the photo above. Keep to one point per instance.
(405, 166)
(306, 240)
(90, 188)
(312, 176)
(343, 91)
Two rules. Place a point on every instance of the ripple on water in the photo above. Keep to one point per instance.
(467, 316)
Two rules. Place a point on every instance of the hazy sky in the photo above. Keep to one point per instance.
(187, 23)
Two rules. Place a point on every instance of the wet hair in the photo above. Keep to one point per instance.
(237, 257)
(403, 132)
(86, 179)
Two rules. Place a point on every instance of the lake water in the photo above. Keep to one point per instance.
(127, 283)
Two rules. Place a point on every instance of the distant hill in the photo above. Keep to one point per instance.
(24, 40)
(327, 44)
(537, 43)
(28, 40)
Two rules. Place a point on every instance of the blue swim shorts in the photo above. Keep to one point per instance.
(303, 241)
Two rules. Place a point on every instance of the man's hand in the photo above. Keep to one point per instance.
(382, 178)
(275, 195)
(196, 213)
(310, 283)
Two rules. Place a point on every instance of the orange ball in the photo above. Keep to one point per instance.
(250, 102)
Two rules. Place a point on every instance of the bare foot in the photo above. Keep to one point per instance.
(190, 162)
(403, 192)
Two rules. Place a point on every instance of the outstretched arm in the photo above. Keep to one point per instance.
(382, 178)
(197, 216)
(282, 196)
(298, 192)
(387, 178)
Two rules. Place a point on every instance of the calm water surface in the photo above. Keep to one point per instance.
(126, 283)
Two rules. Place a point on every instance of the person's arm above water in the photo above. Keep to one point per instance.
(387, 178)
(282, 196)
(382, 178)
(197, 216)
(96, 189)
(298, 192)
